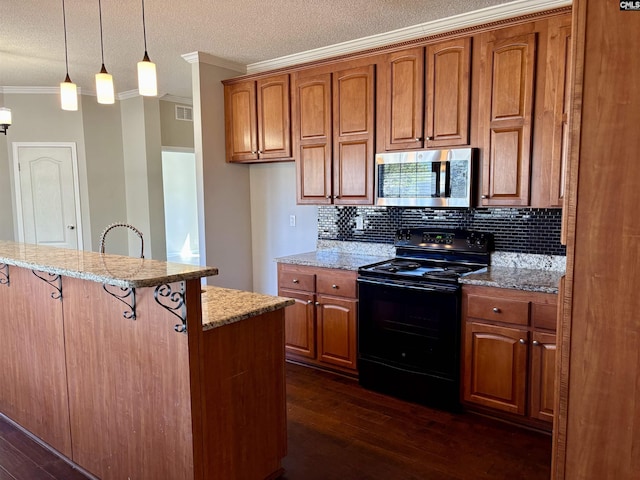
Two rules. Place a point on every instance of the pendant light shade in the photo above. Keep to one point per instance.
(68, 89)
(147, 78)
(5, 119)
(68, 95)
(104, 87)
(104, 80)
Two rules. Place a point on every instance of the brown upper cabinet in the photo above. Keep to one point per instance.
(258, 120)
(523, 113)
(506, 88)
(425, 113)
(334, 135)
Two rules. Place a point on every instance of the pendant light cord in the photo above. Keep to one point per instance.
(144, 29)
(64, 23)
(101, 44)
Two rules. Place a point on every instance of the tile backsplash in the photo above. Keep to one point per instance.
(521, 230)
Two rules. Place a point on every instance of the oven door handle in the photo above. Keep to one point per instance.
(423, 288)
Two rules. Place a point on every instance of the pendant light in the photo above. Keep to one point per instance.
(68, 89)
(5, 119)
(104, 80)
(147, 79)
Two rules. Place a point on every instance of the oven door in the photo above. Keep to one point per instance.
(415, 327)
(409, 341)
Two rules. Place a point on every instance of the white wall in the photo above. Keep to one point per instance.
(273, 200)
(105, 172)
(223, 190)
(6, 198)
(143, 174)
(39, 118)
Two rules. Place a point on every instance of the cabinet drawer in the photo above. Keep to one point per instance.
(544, 315)
(294, 280)
(342, 284)
(498, 309)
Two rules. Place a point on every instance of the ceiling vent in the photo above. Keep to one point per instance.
(184, 112)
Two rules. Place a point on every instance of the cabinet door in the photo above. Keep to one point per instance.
(311, 105)
(274, 124)
(448, 89)
(353, 121)
(505, 109)
(240, 122)
(299, 323)
(495, 367)
(401, 104)
(337, 331)
(543, 369)
(559, 155)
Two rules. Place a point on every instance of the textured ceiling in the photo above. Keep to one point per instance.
(241, 31)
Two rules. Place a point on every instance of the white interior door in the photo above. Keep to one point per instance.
(48, 206)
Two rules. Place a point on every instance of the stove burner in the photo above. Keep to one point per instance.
(398, 266)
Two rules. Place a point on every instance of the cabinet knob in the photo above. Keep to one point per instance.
(418, 139)
(253, 152)
(328, 196)
(295, 280)
(484, 196)
(317, 304)
(309, 302)
(334, 286)
(259, 152)
(522, 341)
(535, 343)
(428, 138)
(336, 196)
(496, 310)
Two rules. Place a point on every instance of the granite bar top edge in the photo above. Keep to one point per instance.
(531, 280)
(116, 270)
(224, 306)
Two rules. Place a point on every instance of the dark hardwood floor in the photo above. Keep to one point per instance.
(339, 431)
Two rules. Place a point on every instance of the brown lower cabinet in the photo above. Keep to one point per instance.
(509, 353)
(320, 328)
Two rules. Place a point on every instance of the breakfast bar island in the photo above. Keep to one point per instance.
(130, 369)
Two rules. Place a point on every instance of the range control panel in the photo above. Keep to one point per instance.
(445, 239)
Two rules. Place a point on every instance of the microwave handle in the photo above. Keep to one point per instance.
(436, 168)
(447, 179)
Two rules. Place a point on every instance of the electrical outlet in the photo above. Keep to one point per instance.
(359, 223)
(292, 220)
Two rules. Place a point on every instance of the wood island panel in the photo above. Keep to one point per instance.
(243, 390)
(129, 386)
(33, 378)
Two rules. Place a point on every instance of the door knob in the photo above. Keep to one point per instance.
(71, 227)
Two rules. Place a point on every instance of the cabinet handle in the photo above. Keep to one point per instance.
(328, 196)
(428, 138)
(336, 196)
(317, 304)
(334, 286)
(484, 196)
(259, 152)
(496, 310)
(535, 343)
(418, 139)
(309, 302)
(295, 280)
(522, 341)
(254, 152)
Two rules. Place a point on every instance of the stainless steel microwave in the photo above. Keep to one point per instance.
(425, 178)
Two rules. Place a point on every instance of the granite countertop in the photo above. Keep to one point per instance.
(532, 280)
(332, 259)
(114, 270)
(222, 306)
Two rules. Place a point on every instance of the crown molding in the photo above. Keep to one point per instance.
(202, 57)
(127, 94)
(34, 90)
(464, 20)
(176, 99)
